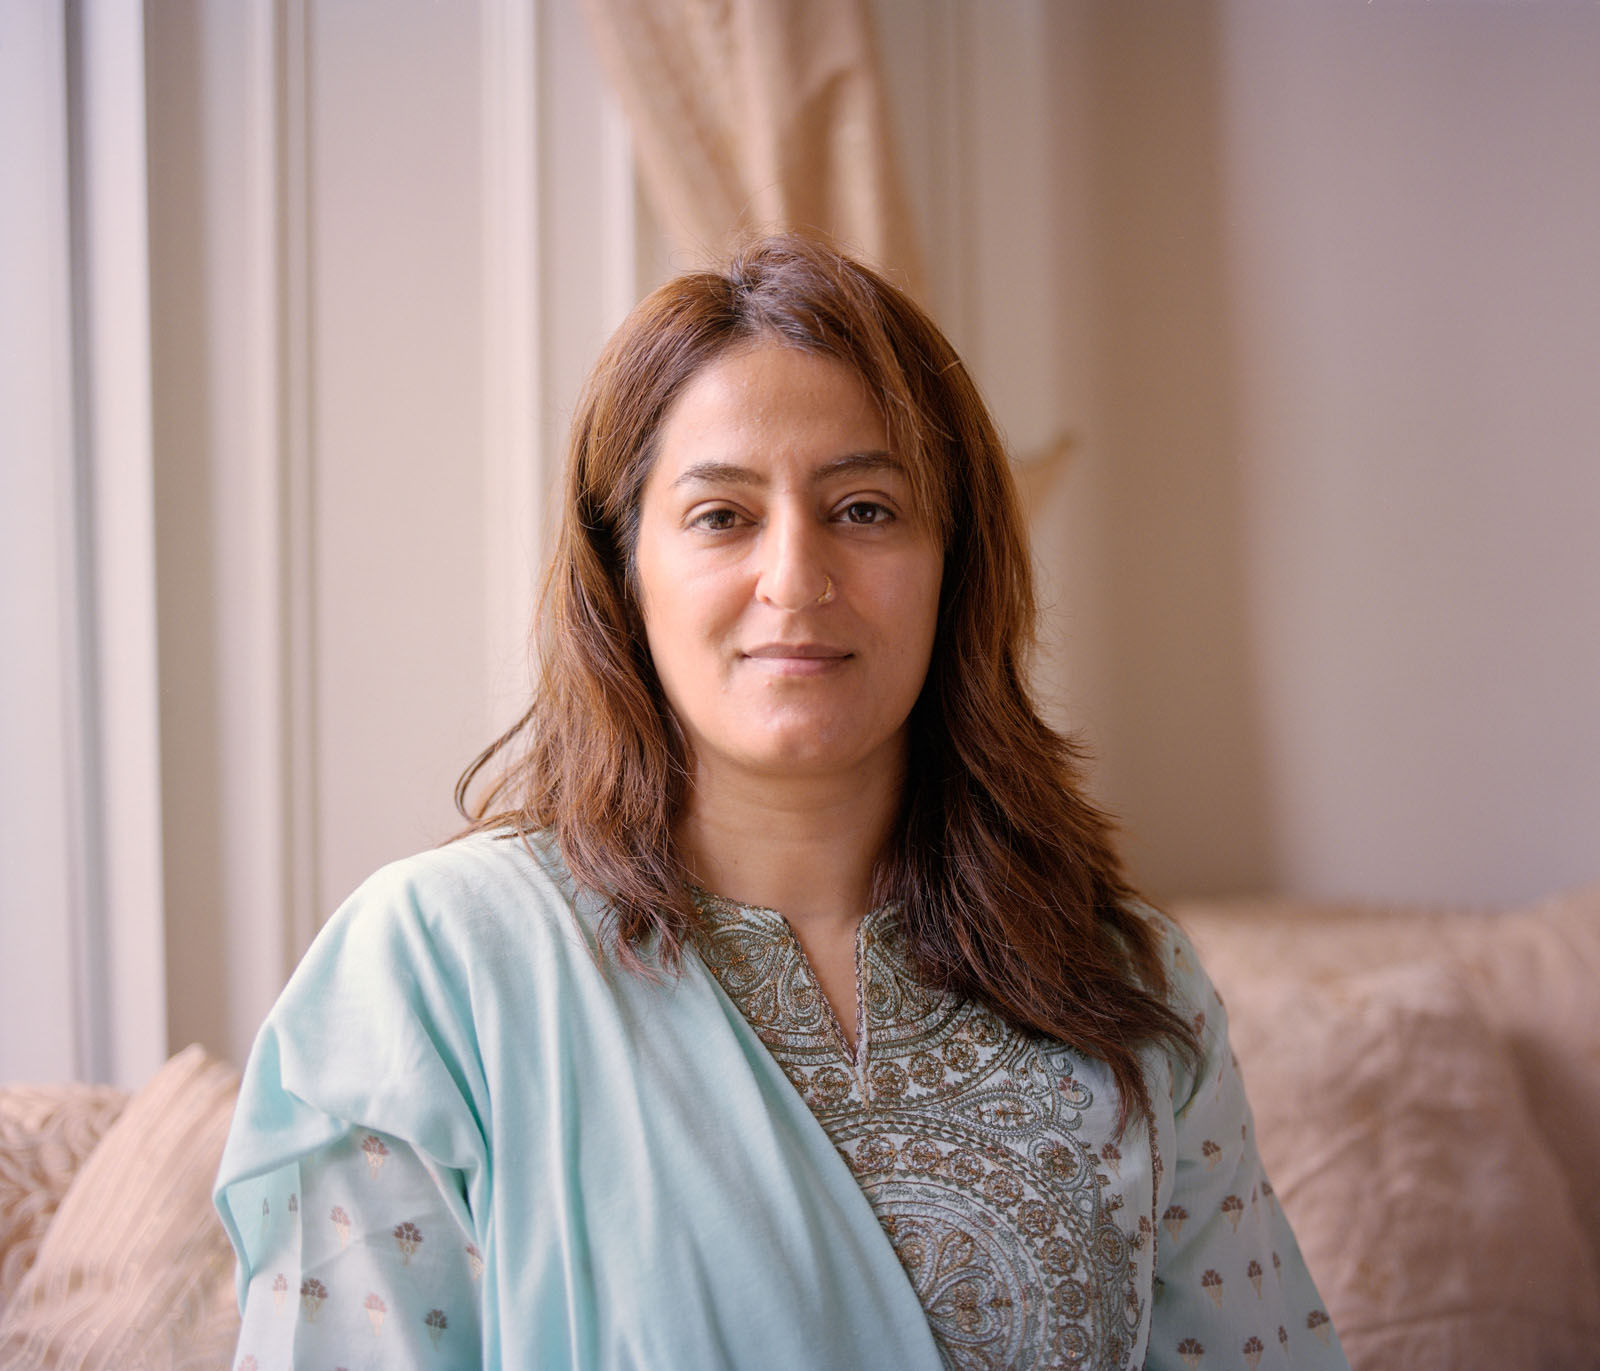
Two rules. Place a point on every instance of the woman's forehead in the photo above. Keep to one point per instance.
(757, 390)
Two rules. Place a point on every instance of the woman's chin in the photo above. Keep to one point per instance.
(805, 753)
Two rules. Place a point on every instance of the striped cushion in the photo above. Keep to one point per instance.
(135, 1271)
(46, 1133)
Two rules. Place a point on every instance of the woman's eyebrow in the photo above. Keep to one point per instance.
(857, 464)
(718, 473)
(731, 473)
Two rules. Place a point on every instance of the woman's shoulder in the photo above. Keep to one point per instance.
(481, 864)
(397, 1010)
(1192, 996)
(489, 885)
(1187, 983)
(435, 933)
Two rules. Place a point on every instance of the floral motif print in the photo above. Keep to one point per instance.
(408, 1238)
(435, 1323)
(377, 1152)
(1232, 1210)
(383, 1277)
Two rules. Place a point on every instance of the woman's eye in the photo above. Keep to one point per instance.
(866, 512)
(716, 520)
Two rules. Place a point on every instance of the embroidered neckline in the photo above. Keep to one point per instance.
(967, 1136)
(722, 910)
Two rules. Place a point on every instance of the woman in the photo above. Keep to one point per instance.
(785, 1005)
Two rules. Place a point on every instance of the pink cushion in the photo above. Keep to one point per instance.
(136, 1270)
(1534, 975)
(1431, 1212)
(46, 1134)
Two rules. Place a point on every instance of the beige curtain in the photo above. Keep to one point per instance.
(756, 114)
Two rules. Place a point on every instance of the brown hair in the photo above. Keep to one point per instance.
(1012, 890)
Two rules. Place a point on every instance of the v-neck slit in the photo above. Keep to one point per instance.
(853, 1056)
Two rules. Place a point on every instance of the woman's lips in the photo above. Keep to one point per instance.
(797, 650)
(799, 659)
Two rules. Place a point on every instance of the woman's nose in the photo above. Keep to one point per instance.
(792, 575)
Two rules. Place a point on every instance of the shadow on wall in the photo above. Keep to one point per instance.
(1170, 696)
(190, 565)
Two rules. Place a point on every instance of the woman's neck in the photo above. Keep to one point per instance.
(806, 847)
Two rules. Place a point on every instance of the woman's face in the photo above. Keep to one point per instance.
(789, 589)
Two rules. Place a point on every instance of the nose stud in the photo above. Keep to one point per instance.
(827, 591)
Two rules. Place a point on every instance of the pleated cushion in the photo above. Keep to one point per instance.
(135, 1271)
(1432, 1213)
(47, 1132)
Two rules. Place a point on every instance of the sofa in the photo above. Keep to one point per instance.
(1426, 1085)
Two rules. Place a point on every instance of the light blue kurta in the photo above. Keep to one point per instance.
(643, 1185)
(460, 1142)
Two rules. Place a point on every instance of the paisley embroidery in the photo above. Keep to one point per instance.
(967, 1138)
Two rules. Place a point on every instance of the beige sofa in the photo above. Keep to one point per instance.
(1427, 1091)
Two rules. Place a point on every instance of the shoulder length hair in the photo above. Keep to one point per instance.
(1012, 890)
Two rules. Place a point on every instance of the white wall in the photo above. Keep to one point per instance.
(81, 900)
(1416, 311)
(1328, 602)
(37, 651)
(396, 357)
(285, 383)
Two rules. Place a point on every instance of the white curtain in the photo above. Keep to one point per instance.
(757, 114)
